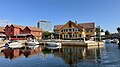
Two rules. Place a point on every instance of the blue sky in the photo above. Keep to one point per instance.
(105, 13)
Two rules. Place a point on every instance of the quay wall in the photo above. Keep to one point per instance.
(76, 43)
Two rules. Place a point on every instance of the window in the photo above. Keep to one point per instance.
(64, 36)
(66, 30)
(70, 30)
(61, 30)
(70, 25)
(78, 29)
(70, 35)
(73, 30)
(79, 35)
(87, 30)
(91, 30)
(76, 35)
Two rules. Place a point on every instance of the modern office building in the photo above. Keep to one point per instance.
(45, 25)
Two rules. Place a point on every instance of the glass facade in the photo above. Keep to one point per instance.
(45, 25)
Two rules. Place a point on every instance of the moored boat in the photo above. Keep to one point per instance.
(14, 44)
(53, 44)
(32, 42)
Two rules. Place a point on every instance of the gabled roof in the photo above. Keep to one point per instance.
(18, 26)
(35, 29)
(56, 27)
(2, 29)
(81, 25)
(87, 25)
(73, 23)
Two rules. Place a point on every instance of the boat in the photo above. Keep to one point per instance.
(32, 42)
(108, 41)
(53, 44)
(114, 41)
(14, 44)
(32, 46)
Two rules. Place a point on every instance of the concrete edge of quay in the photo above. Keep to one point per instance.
(77, 43)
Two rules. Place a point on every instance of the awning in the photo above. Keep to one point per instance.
(23, 34)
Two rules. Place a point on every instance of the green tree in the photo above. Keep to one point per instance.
(46, 35)
(107, 32)
(118, 29)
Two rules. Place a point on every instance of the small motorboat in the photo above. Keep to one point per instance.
(53, 44)
(14, 44)
(32, 46)
(108, 41)
(114, 41)
(32, 42)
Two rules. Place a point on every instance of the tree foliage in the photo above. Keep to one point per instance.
(107, 32)
(118, 29)
(98, 30)
(46, 34)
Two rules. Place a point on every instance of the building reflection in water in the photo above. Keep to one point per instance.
(70, 55)
(16, 53)
(75, 55)
(30, 52)
(12, 53)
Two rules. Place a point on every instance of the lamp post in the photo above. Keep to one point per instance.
(99, 32)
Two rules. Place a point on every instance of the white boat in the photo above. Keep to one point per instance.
(53, 44)
(14, 44)
(32, 42)
(114, 41)
(32, 46)
(49, 47)
(108, 41)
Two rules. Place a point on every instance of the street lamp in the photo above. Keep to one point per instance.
(99, 32)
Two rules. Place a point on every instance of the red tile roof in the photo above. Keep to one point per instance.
(35, 29)
(87, 25)
(31, 28)
(19, 26)
(2, 29)
(57, 27)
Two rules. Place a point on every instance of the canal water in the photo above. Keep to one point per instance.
(107, 56)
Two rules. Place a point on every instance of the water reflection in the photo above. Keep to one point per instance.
(16, 53)
(69, 55)
(12, 53)
(74, 55)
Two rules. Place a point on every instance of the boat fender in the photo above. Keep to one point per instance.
(6, 45)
